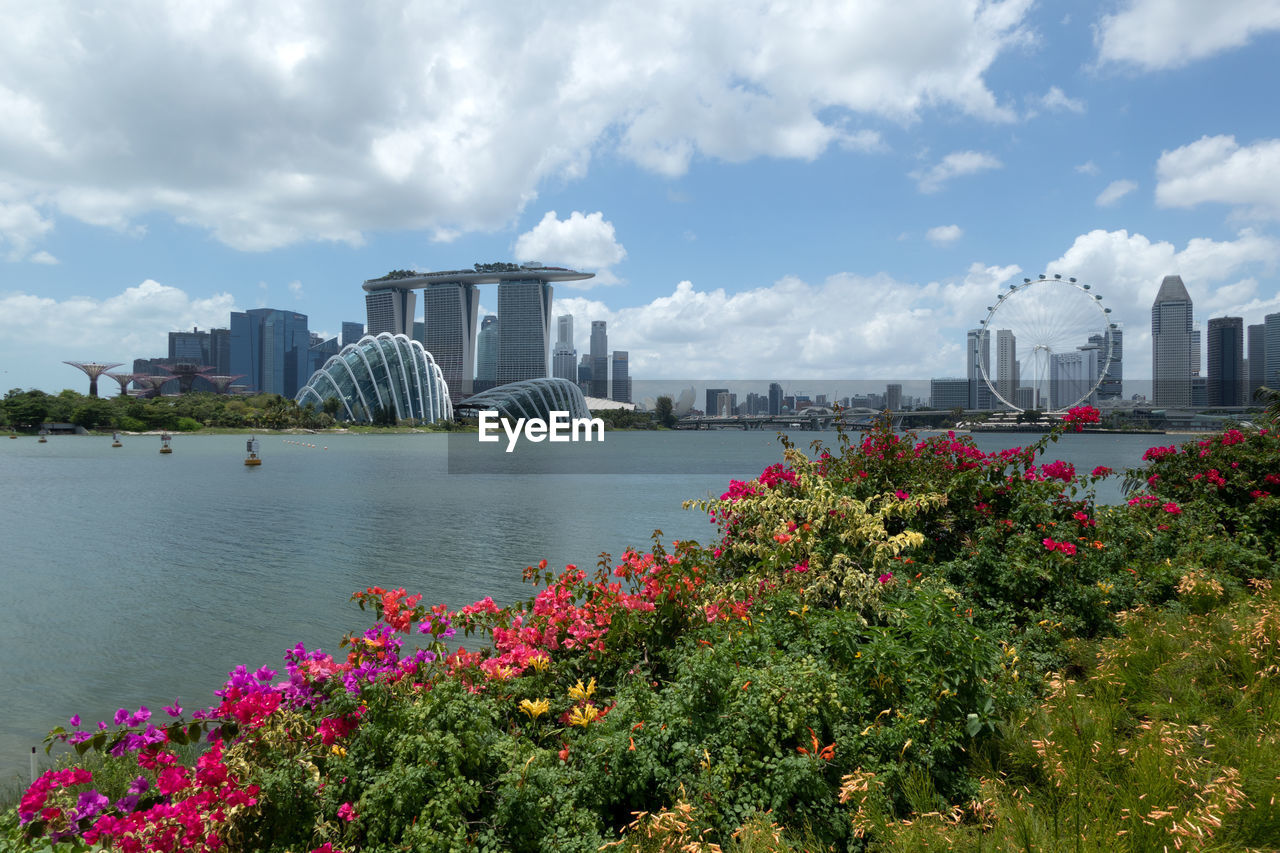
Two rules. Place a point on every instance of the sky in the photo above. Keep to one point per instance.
(822, 189)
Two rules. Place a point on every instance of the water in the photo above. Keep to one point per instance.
(132, 577)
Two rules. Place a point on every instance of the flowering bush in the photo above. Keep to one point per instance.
(873, 612)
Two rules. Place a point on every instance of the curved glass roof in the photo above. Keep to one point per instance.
(381, 372)
(531, 398)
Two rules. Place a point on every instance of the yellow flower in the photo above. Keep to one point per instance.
(339, 750)
(578, 693)
(540, 662)
(535, 708)
(583, 715)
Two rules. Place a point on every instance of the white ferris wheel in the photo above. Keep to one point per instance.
(1050, 342)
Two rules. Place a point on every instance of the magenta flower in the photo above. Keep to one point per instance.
(174, 710)
(347, 812)
(886, 577)
(75, 720)
(1172, 508)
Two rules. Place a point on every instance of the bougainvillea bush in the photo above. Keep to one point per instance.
(861, 626)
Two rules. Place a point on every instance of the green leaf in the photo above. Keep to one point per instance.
(194, 731)
(176, 734)
(973, 725)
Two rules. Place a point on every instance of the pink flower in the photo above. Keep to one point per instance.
(1172, 508)
(347, 812)
(1081, 415)
(886, 577)
(801, 567)
(901, 495)
(1100, 471)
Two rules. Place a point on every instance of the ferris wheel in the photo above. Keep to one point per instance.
(1050, 344)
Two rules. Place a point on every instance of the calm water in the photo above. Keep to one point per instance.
(131, 577)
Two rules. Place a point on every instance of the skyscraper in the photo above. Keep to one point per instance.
(892, 397)
(621, 377)
(1271, 350)
(599, 360)
(1006, 364)
(487, 359)
(978, 347)
(1257, 360)
(270, 349)
(452, 308)
(564, 358)
(1111, 386)
(1227, 382)
(775, 398)
(524, 329)
(1174, 354)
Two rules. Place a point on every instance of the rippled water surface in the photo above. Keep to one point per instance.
(128, 577)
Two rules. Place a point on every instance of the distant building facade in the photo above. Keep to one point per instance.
(599, 360)
(270, 349)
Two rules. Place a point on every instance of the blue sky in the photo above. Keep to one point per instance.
(763, 190)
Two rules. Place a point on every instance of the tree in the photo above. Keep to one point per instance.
(664, 411)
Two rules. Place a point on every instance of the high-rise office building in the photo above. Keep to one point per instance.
(1174, 354)
(564, 358)
(351, 332)
(1226, 380)
(584, 374)
(1257, 360)
(191, 347)
(270, 349)
(524, 329)
(1271, 350)
(775, 398)
(487, 358)
(978, 348)
(220, 350)
(390, 309)
(452, 309)
(1006, 364)
(621, 377)
(599, 360)
(949, 393)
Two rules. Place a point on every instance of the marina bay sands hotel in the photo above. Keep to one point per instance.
(451, 305)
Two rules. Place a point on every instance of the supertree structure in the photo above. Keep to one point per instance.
(124, 379)
(186, 373)
(221, 383)
(153, 383)
(93, 370)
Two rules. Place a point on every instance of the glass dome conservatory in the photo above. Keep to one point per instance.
(383, 373)
(530, 398)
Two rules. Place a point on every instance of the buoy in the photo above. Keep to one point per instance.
(164, 443)
(115, 440)
(253, 459)
(43, 439)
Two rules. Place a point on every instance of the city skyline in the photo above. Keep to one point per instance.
(798, 200)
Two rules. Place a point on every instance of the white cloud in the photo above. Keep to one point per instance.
(1055, 99)
(295, 289)
(582, 241)
(847, 326)
(295, 122)
(37, 333)
(1217, 169)
(1089, 168)
(43, 257)
(953, 165)
(1160, 34)
(944, 234)
(1115, 191)
(21, 225)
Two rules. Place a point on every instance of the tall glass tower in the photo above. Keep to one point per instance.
(1173, 345)
(524, 330)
